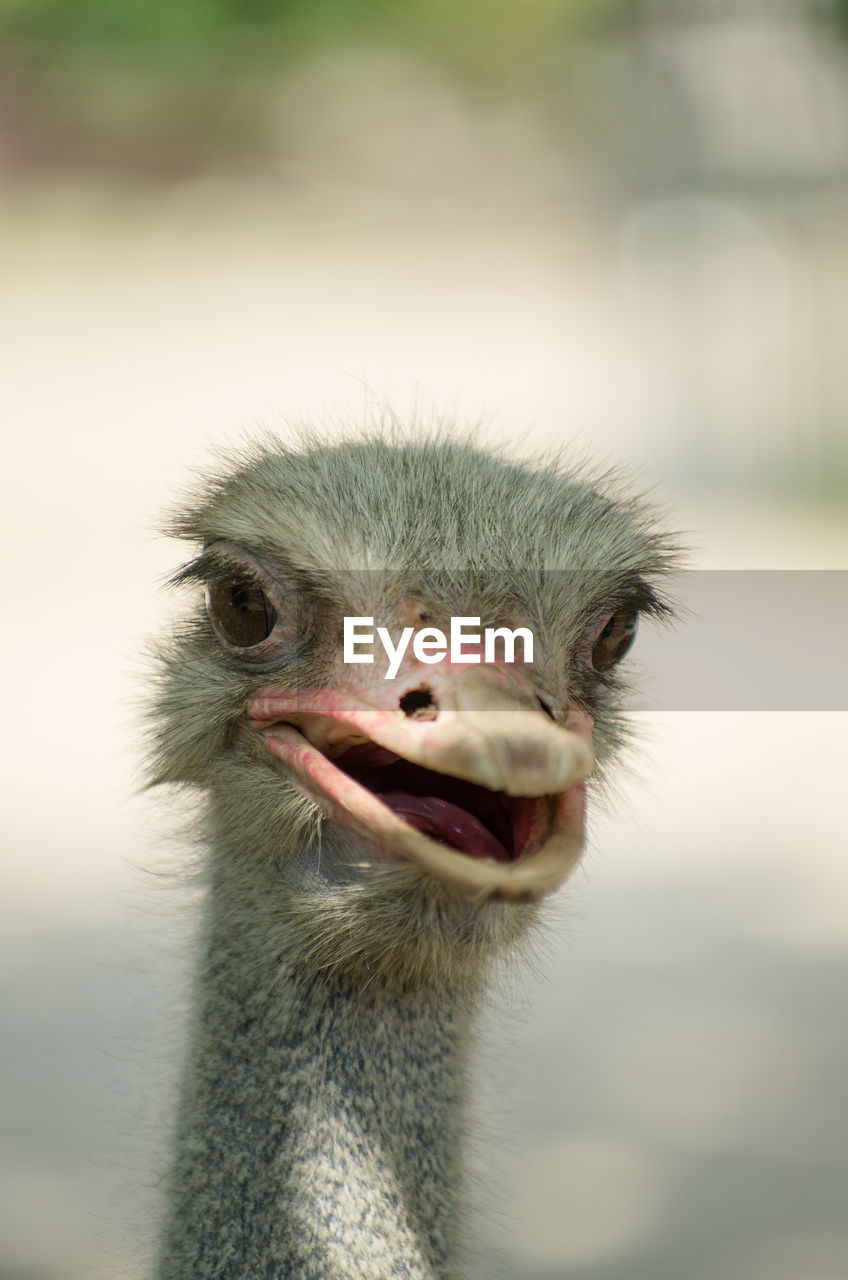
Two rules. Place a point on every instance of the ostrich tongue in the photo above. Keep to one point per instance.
(446, 823)
(478, 822)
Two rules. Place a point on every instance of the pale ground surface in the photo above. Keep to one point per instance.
(672, 1103)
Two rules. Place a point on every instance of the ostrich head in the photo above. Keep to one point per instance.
(402, 829)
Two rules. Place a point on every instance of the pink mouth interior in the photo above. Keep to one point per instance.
(470, 818)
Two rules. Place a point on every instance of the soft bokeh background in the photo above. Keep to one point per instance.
(621, 226)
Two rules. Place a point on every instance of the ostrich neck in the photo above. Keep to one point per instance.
(320, 1128)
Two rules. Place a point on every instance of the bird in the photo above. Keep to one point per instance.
(379, 839)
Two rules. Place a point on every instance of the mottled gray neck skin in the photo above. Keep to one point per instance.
(320, 1128)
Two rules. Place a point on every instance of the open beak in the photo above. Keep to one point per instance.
(477, 786)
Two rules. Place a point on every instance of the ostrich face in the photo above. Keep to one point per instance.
(454, 791)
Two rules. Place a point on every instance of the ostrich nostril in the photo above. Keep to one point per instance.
(419, 704)
(544, 705)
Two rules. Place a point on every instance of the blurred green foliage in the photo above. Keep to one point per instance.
(175, 84)
(478, 33)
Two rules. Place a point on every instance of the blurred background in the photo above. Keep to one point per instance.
(618, 226)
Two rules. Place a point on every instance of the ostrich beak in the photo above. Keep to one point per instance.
(481, 789)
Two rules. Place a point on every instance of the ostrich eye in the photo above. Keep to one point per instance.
(240, 611)
(616, 638)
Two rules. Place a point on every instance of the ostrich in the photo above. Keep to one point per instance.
(374, 847)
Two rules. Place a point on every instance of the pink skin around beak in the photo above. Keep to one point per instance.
(482, 725)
